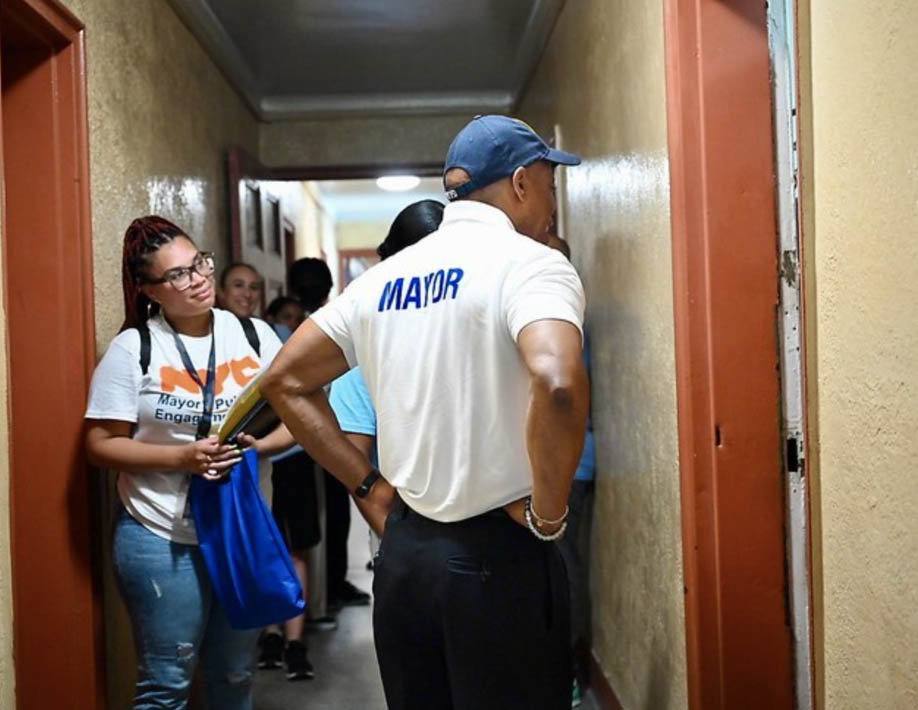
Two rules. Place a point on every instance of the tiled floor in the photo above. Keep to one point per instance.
(347, 676)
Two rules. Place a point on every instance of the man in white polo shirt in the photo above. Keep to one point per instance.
(470, 344)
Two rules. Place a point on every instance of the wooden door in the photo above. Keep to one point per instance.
(262, 242)
(48, 299)
(260, 232)
(726, 276)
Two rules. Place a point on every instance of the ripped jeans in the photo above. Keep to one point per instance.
(178, 623)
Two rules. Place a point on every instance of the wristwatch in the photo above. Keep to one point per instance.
(364, 488)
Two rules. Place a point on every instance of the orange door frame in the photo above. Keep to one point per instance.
(48, 298)
(721, 145)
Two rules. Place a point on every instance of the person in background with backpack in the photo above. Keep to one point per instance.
(166, 381)
(239, 292)
(310, 280)
(285, 314)
(295, 501)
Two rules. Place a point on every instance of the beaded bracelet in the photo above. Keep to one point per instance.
(540, 521)
(545, 537)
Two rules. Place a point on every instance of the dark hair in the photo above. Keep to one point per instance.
(235, 265)
(410, 226)
(274, 308)
(143, 238)
(310, 281)
(556, 242)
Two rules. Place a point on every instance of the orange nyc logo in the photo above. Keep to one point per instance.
(242, 372)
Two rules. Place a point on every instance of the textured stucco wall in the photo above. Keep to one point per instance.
(863, 252)
(7, 668)
(160, 118)
(602, 80)
(359, 141)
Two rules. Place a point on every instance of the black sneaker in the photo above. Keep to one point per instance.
(348, 595)
(272, 650)
(323, 623)
(298, 665)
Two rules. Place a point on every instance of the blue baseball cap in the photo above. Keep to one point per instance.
(490, 148)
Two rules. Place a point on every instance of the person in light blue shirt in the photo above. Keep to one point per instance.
(295, 506)
(353, 407)
(351, 403)
(575, 545)
(285, 315)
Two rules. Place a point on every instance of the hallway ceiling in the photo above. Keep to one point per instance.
(315, 58)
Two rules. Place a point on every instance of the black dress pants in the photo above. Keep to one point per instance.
(472, 615)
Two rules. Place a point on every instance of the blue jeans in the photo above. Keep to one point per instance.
(177, 623)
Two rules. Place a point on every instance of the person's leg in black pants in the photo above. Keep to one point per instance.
(575, 551)
(406, 629)
(340, 592)
(471, 616)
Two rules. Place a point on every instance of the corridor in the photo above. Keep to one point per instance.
(742, 225)
(347, 675)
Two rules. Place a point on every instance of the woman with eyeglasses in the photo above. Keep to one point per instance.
(166, 381)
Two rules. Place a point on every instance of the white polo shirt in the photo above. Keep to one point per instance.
(434, 331)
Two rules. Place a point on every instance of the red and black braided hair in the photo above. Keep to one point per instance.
(142, 239)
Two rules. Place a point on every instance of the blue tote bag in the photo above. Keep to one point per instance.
(246, 557)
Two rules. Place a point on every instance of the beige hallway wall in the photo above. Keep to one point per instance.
(602, 80)
(861, 133)
(160, 118)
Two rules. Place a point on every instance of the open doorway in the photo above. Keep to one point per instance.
(337, 214)
(361, 212)
(47, 270)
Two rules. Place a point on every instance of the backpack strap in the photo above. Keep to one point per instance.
(144, 332)
(145, 347)
(251, 334)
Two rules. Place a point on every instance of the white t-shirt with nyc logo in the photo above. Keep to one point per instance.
(165, 404)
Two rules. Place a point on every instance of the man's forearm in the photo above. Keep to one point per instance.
(375, 508)
(312, 423)
(555, 429)
(558, 408)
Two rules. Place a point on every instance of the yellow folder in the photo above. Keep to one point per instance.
(250, 413)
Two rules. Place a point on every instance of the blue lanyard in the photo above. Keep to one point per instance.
(207, 388)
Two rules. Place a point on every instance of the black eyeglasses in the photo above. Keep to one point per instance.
(180, 276)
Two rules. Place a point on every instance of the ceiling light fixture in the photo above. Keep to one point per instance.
(397, 183)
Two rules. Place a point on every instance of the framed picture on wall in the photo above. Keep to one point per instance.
(275, 237)
(254, 235)
(353, 262)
